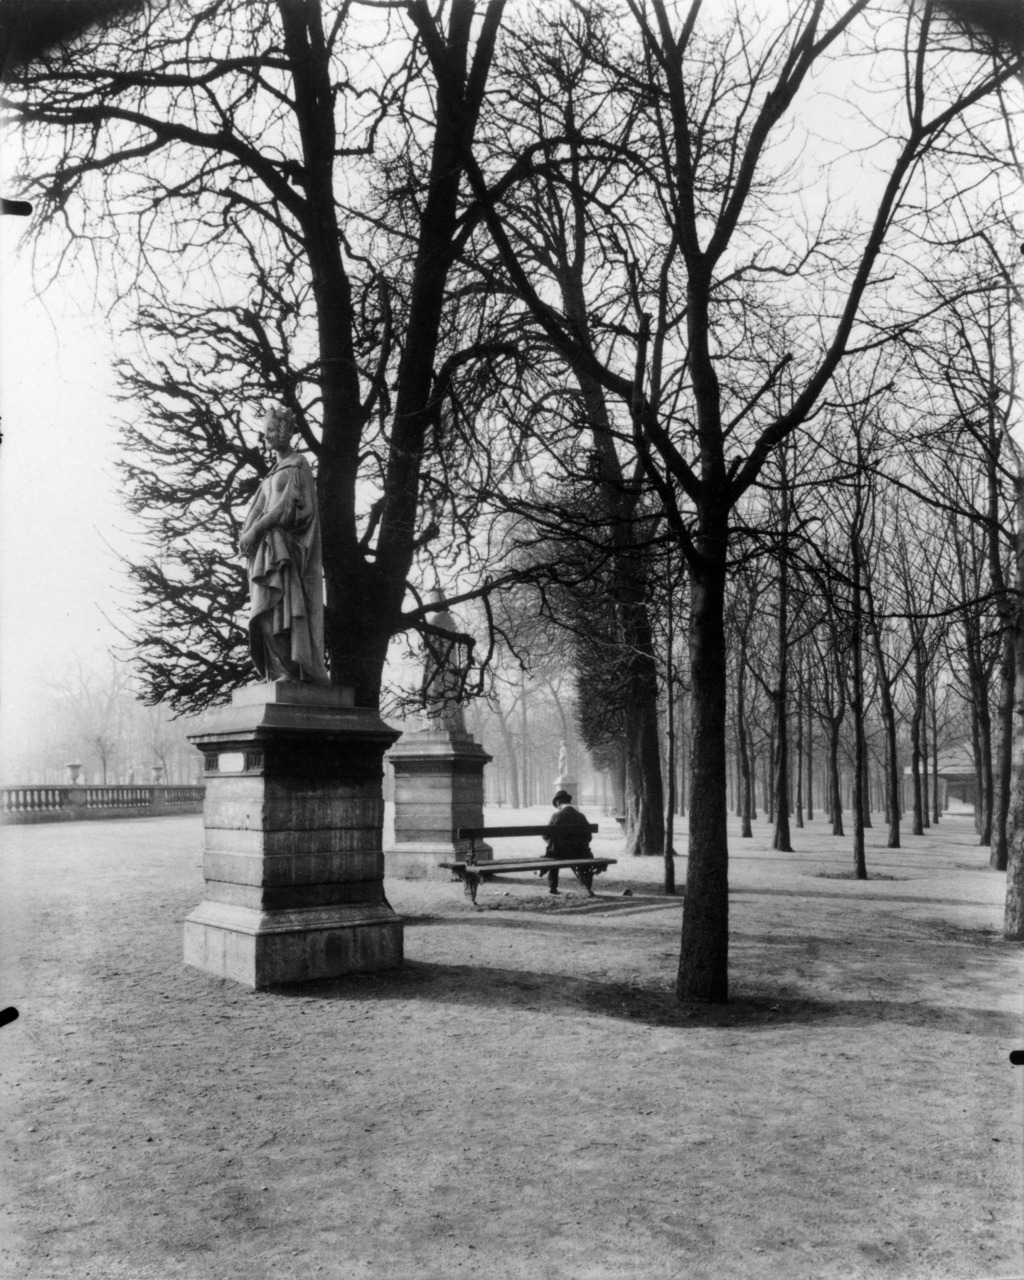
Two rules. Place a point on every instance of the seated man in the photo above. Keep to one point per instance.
(570, 837)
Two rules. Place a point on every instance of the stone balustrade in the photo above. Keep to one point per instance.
(70, 802)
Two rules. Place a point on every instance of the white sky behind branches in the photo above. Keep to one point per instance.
(61, 518)
(62, 524)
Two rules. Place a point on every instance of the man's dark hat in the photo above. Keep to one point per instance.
(560, 796)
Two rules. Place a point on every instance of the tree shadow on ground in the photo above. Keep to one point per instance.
(651, 1003)
(896, 900)
(852, 875)
(499, 910)
(494, 900)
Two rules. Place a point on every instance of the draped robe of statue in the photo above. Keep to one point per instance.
(286, 602)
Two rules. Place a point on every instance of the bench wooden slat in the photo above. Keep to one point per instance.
(584, 869)
(482, 833)
(533, 863)
(536, 864)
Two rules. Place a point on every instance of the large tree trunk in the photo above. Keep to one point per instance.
(1002, 774)
(357, 630)
(645, 832)
(753, 778)
(935, 757)
(780, 835)
(979, 779)
(892, 762)
(768, 780)
(917, 822)
(619, 782)
(746, 781)
(1013, 917)
(704, 950)
(835, 794)
(983, 805)
(857, 707)
(798, 807)
(670, 807)
(1008, 610)
(645, 796)
(524, 744)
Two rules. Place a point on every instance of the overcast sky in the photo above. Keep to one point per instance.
(58, 498)
(61, 522)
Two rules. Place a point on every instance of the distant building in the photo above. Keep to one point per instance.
(959, 778)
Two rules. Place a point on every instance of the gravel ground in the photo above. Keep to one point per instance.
(523, 1098)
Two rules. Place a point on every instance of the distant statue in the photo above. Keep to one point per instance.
(281, 541)
(441, 682)
(562, 759)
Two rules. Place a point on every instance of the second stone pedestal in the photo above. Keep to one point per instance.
(293, 857)
(565, 782)
(439, 787)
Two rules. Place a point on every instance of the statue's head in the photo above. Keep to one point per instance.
(279, 425)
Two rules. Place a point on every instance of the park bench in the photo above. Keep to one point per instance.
(471, 872)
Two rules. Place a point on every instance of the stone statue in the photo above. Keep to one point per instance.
(441, 681)
(562, 759)
(281, 542)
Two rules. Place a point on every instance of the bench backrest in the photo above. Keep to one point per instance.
(494, 833)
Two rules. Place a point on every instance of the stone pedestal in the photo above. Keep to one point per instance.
(293, 820)
(439, 787)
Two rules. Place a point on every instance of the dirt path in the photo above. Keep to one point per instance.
(524, 1098)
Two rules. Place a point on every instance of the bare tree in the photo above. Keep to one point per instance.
(715, 96)
(255, 156)
(968, 375)
(94, 706)
(594, 496)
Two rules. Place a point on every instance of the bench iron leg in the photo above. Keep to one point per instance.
(585, 876)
